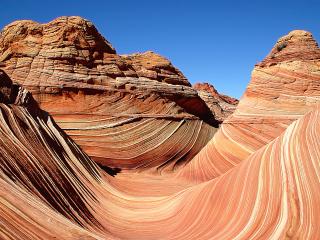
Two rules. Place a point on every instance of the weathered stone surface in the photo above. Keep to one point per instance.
(50, 189)
(44, 176)
(283, 87)
(220, 105)
(154, 66)
(261, 168)
(122, 110)
(267, 196)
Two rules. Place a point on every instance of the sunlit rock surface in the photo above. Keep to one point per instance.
(45, 178)
(258, 178)
(283, 87)
(50, 189)
(220, 105)
(135, 112)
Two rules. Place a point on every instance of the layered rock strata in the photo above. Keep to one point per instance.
(45, 178)
(222, 106)
(283, 87)
(134, 112)
(50, 189)
(258, 178)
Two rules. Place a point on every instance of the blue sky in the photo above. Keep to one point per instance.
(209, 41)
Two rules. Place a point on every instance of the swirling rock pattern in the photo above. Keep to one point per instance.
(273, 194)
(259, 175)
(44, 176)
(50, 189)
(134, 112)
(283, 87)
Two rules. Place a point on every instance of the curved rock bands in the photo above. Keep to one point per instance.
(32, 157)
(257, 178)
(273, 194)
(288, 84)
(278, 94)
(40, 163)
(72, 70)
(278, 186)
(233, 143)
(24, 216)
(139, 144)
(129, 131)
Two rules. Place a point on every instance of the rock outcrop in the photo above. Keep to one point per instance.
(44, 176)
(50, 189)
(258, 178)
(130, 112)
(283, 87)
(220, 105)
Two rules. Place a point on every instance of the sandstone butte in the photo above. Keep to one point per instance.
(122, 110)
(52, 189)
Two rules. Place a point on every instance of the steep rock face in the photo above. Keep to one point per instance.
(220, 105)
(124, 111)
(44, 176)
(283, 87)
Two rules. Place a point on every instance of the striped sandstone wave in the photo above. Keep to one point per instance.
(45, 178)
(283, 87)
(273, 194)
(257, 178)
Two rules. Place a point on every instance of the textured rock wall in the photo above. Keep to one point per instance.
(283, 87)
(50, 189)
(221, 106)
(124, 111)
(259, 175)
(44, 176)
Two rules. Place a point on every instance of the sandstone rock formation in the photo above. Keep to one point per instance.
(273, 194)
(258, 178)
(129, 112)
(50, 189)
(43, 174)
(283, 87)
(220, 105)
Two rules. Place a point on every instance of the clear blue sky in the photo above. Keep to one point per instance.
(209, 41)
